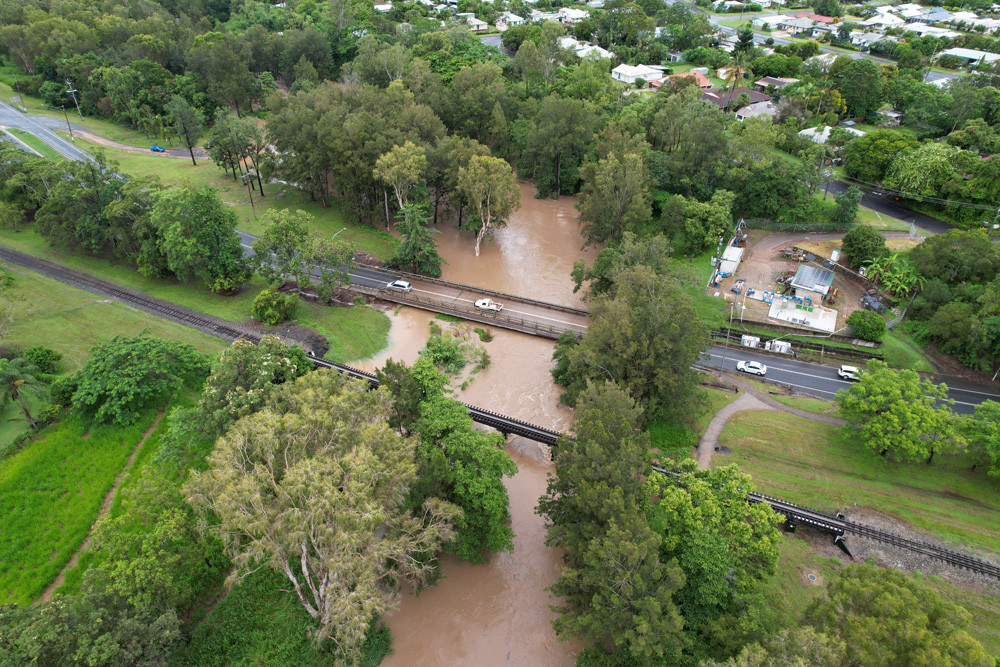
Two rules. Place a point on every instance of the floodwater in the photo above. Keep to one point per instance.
(532, 256)
(498, 613)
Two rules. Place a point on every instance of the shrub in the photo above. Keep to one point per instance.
(61, 391)
(272, 307)
(867, 325)
(863, 244)
(47, 360)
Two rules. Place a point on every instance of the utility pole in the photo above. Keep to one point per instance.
(68, 126)
(725, 349)
(72, 91)
(20, 99)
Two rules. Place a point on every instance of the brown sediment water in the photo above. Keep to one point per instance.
(532, 256)
(498, 613)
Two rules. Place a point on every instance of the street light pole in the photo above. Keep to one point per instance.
(335, 235)
(20, 98)
(68, 126)
(725, 349)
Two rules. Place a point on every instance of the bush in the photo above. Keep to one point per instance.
(272, 307)
(61, 391)
(863, 244)
(47, 360)
(867, 325)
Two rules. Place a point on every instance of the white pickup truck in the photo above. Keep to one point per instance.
(489, 304)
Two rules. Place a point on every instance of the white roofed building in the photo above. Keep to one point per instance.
(630, 73)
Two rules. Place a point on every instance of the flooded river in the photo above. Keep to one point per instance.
(498, 613)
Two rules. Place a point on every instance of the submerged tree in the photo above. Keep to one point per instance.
(417, 250)
(489, 184)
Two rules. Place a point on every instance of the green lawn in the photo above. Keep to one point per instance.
(817, 466)
(50, 495)
(177, 171)
(789, 592)
(72, 321)
(810, 404)
(36, 144)
(353, 333)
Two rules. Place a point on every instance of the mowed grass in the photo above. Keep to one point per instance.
(50, 495)
(326, 221)
(72, 321)
(810, 404)
(261, 622)
(36, 144)
(353, 333)
(819, 466)
(900, 351)
(790, 592)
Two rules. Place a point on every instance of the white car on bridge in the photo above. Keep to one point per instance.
(489, 304)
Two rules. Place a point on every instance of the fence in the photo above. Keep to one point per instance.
(783, 226)
(804, 346)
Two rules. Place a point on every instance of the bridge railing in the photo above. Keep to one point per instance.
(481, 290)
(467, 312)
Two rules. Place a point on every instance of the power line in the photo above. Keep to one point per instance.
(924, 198)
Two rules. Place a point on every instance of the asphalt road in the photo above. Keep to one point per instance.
(41, 127)
(823, 382)
(887, 206)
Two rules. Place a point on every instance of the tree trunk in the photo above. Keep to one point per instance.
(884, 452)
(191, 150)
(385, 196)
(479, 236)
(931, 457)
(260, 184)
(27, 415)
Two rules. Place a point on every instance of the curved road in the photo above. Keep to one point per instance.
(823, 382)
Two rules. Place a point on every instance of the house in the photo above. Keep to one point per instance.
(758, 110)
(883, 21)
(726, 98)
(477, 25)
(512, 19)
(812, 282)
(726, 73)
(571, 16)
(675, 57)
(824, 60)
(972, 56)
(384, 9)
(700, 80)
(595, 4)
(795, 25)
(925, 30)
(593, 51)
(631, 73)
(864, 40)
(890, 117)
(818, 18)
(536, 16)
(777, 82)
(964, 16)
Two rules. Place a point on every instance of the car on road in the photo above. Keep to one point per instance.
(752, 367)
(157, 149)
(399, 286)
(489, 304)
(851, 373)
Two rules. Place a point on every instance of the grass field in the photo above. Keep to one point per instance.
(809, 404)
(72, 321)
(901, 352)
(790, 591)
(261, 623)
(177, 171)
(50, 495)
(817, 466)
(36, 144)
(353, 333)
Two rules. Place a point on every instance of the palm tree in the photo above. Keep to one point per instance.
(18, 383)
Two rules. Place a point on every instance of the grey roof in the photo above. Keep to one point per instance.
(813, 278)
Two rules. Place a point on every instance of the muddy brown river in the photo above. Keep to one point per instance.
(498, 613)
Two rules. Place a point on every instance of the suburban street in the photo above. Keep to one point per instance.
(41, 127)
(823, 382)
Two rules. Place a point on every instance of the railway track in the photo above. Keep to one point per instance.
(838, 526)
(835, 525)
